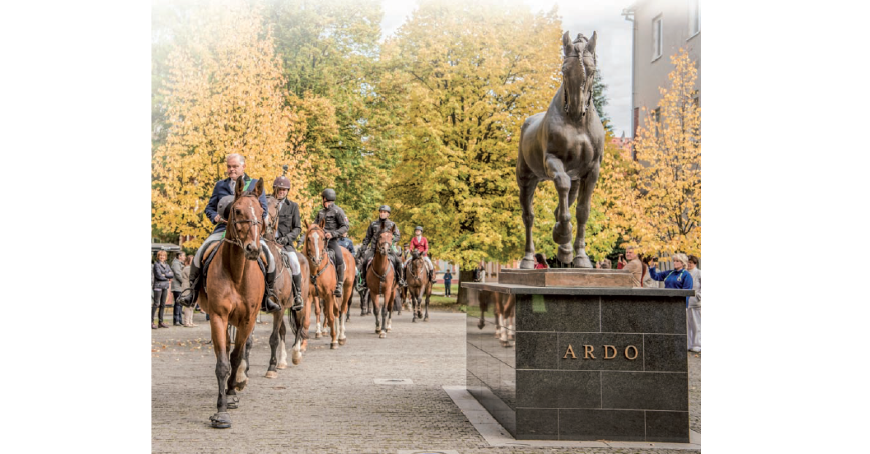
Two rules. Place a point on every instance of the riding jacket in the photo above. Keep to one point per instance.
(422, 245)
(221, 189)
(336, 220)
(289, 226)
(375, 229)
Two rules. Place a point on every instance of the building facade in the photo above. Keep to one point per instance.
(661, 28)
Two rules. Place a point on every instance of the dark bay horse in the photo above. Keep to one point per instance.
(564, 144)
(284, 290)
(382, 267)
(418, 286)
(232, 294)
(323, 276)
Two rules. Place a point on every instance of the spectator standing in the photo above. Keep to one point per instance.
(177, 266)
(632, 263)
(693, 312)
(448, 279)
(606, 264)
(162, 276)
(186, 312)
(540, 262)
(677, 278)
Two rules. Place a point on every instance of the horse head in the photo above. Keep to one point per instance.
(244, 223)
(272, 225)
(315, 243)
(385, 241)
(578, 73)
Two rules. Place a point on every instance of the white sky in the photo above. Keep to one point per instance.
(578, 16)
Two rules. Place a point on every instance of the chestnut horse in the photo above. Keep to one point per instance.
(381, 280)
(284, 290)
(232, 294)
(323, 278)
(565, 144)
(419, 286)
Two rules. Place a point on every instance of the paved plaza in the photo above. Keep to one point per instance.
(330, 402)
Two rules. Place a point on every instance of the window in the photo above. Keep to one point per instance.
(657, 37)
(657, 119)
(694, 17)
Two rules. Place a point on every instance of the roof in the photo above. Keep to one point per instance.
(169, 247)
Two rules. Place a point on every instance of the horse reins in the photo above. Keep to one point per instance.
(318, 262)
(231, 223)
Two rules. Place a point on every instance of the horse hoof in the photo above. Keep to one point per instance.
(582, 261)
(565, 254)
(241, 386)
(426, 319)
(383, 335)
(527, 264)
(562, 233)
(282, 366)
(333, 345)
(342, 341)
(414, 320)
(317, 335)
(271, 374)
(297, 358)
(232, 403)
(221, 420)
(480, 324)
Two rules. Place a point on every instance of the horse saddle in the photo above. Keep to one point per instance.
(211, 251)
(285, 257)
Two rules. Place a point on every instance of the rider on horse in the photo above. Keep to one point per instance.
(217, 210)
(421, 244)
(335, 225)
(288, 229)
(367, 250)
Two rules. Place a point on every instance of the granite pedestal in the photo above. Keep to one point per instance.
(599, 363)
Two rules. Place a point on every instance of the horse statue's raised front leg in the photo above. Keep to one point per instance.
(563, 227)
(586, 186)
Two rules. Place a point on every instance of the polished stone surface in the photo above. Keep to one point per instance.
(626, 380)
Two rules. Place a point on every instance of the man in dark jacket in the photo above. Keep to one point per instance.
(335, 224)
(177, 266)
(367, 250)
(222, 196)
(289, 228)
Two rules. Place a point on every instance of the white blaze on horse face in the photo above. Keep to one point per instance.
(316, 238)
(253, 225)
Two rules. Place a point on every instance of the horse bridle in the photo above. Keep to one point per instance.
(254, 221)
(325, 256)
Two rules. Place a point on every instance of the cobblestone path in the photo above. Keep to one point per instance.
(329, 403)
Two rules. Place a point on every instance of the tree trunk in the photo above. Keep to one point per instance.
(464, 276)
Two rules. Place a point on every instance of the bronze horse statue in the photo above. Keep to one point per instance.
(564, 144)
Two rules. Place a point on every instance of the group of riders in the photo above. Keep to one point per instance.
(288, 231)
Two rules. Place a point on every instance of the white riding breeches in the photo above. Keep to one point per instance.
(294, 262)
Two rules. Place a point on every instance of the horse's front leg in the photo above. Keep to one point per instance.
(329, 312)
(275, 340)
(562, 229)
(428, 294)
(221, 419)
(376, 310)
(527, 195)
(583, 206)
(238, 360)
(282, 345)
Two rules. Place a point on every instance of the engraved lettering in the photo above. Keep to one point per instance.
(588, 352)
(635, 352)
(608, 348)
(570, 351)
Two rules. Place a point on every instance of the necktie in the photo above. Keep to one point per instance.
(232, 187)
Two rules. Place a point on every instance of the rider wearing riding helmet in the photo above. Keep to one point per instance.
(335, 225)
(421, 244)
(217, 210)
(289, 228)
(369, 244)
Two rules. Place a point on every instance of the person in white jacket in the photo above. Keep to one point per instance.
(693, 312)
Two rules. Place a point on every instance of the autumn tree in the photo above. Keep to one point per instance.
(223, 93)
(668, 195)
(469, 75)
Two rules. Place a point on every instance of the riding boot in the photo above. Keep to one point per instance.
(297, 292)
(431, 272)
(400, 272)
(339, 280)
(188, 297)
(270, 300)
(361, 279)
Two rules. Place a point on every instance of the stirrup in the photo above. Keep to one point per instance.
(186, 297)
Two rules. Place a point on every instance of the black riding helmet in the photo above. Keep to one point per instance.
(328, 194)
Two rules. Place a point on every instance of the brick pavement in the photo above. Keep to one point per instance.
(329, 403)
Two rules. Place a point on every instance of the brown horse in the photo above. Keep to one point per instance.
(284, 290)
(381, 280)
(323, 276)
(232, 294)
(564, 144)
(419, 286)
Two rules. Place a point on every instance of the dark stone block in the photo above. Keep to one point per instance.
(597, 342)
(563, 313)
(536, 351)
(558, 389)
(667, 426)
(537, 424)
(623, 425)
(505, 415)
(638, 314)
(665, 353)
(645, 390)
